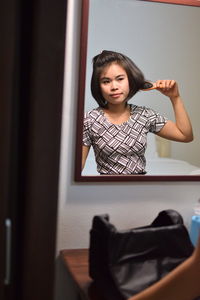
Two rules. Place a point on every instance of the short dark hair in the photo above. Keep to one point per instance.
(135, 76)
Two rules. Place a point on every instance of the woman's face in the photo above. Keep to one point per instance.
(114, 84)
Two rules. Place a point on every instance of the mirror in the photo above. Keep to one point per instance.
(163, 39)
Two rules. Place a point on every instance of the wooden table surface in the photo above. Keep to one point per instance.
(76, 261)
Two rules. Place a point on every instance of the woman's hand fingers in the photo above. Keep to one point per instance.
(167, 87)
(165, 84)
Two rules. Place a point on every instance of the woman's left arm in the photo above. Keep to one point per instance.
(181, 129)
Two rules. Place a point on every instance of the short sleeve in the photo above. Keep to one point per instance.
(156, 121)
(87, 141)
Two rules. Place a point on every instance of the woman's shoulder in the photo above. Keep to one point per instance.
(91, 116)
(92, 113)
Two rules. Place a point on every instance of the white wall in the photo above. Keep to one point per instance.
(129, 204)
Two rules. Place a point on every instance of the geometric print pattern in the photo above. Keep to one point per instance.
(120, 149)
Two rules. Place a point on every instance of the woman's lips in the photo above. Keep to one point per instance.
(116, 95)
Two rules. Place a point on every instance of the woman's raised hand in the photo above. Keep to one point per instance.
(168, 87)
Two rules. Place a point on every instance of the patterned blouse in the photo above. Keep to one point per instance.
(120, 149)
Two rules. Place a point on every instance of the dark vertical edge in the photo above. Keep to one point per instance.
(81, 89)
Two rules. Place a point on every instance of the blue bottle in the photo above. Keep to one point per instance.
(195, 224)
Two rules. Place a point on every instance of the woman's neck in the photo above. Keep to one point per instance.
(118, 114)
(117, 109)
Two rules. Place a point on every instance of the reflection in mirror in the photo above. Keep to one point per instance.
(163, 48)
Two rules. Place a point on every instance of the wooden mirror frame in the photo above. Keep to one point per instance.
(80, 113)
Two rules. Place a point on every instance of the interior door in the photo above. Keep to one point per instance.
(8, 130)
(32, 39)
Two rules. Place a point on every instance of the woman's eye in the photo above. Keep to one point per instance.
(105, 81)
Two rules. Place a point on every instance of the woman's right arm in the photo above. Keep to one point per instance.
(85, 151)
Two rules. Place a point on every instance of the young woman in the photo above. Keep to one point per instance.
(118, 131)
